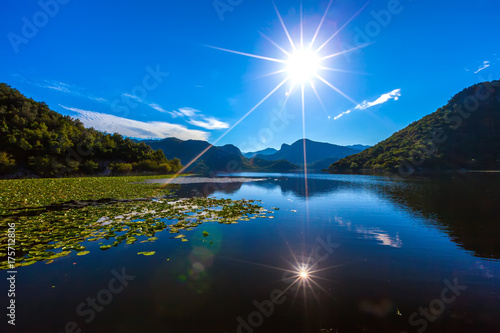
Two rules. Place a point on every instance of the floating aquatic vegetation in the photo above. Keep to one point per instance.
(45, 235)
(149, 253)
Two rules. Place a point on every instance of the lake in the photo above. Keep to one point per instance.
(343, 253)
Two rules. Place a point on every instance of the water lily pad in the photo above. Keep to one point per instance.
(82, 253)
(81, 212)
(150, 253)
(205, 234)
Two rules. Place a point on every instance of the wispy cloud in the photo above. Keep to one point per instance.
(393, 95)
(157, 107)
(55, 85)
(59, 86)
(134, 128)
(98, 99)
(209, 123)
(196, 118)
(185, 112)
(154, 106)
(485, 65)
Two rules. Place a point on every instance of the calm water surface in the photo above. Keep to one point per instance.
(389, 256)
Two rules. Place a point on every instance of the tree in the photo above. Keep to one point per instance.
(7, 162)
(43, 142)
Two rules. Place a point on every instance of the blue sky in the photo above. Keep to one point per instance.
(144, 68)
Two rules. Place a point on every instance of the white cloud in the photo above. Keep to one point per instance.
(154, 106)
(393, 95)
(188, 112)
(56, 85)
(157, 107)
(196, 118)
(485, 65)
(372, 233)
(134, 128)
(98, 99)
(59, 86)
(209, 123)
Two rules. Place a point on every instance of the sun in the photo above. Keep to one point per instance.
(303, 65)
(301, 62)
(303, 274)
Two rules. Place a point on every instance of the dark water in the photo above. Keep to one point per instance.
(384, 251)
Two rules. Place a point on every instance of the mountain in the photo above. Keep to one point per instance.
(322, 165)
(463, 134)
(226, 158)
(36, 141)
(316, 152)
(267, 151)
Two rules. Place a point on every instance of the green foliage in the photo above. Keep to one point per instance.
(89, 167)
(42, 142)
(121, 168)
(49, 234)
(456, 136)
(6, 162)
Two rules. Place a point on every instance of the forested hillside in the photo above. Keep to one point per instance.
(463, 134)
(36, 141)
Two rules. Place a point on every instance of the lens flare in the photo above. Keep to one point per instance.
(302, 64)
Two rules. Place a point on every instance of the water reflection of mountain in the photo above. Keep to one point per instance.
(204, 189)
(296, 186)
(287, 185)
(466, 207)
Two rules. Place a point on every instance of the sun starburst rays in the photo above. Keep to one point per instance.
(304, 64)
(284, 27)
(297, 69)
(342, 27)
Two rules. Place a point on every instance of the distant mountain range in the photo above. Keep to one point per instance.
(319, 155)
(229, 158)
(462, 135)
(226, 158)
(267, 151)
